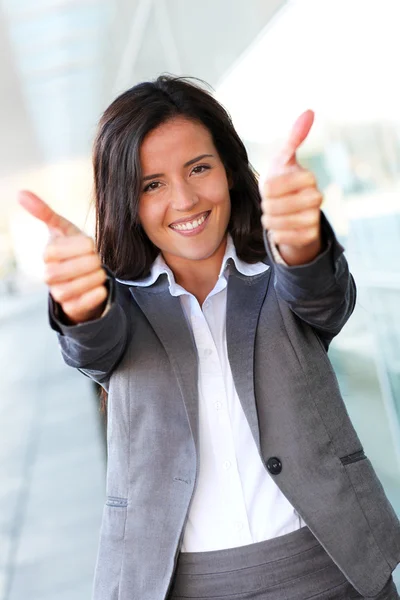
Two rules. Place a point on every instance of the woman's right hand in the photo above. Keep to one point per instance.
(73, 270)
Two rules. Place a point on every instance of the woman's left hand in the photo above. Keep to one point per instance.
(291, 201)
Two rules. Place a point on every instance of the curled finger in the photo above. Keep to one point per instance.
(299, 220)
(82, 309)
(292, 203)
(298, 238)
(66, 291)
(65, 247)
(57, 272)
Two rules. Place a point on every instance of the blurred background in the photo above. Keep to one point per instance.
(62, 62)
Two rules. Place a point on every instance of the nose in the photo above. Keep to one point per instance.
(183, 197)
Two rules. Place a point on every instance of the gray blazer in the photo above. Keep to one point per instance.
(278, 325)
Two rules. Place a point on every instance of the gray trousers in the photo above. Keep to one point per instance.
(289, 567)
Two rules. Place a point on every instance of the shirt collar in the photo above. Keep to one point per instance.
(160, 267)
(244, 268)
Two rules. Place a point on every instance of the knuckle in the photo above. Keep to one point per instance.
(95, 259)
(48, 276)
(96, 297)
(303, 183)
(263, 187)
(83, 303)
(310, 179)
(57, 295)
(50, 253)
(70, 307)
(264, 222)
(61, 296)
(267, 207)
(316, 220)
(268, 187)
(309, 236)
(102, 275)
(316, 198)
(267, 221)
(316, 230)
(280, 237)
(276, 239)
(311, 198)
(308, 218)
(63, 293)
(102, 293)
(47, 253)
(88, 243)
(306, 194)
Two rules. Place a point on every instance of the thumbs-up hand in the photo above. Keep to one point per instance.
(291, 201)
(73, 268)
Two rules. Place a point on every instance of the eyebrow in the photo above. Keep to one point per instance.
(187, 164)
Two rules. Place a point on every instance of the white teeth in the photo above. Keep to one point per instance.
(190, 224)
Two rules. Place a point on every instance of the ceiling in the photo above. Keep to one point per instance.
(63, 61)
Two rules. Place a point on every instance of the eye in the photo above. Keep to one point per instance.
(151, 186)
(200, 168)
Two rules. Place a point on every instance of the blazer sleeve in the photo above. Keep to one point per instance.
(94, 347)
(321, 293)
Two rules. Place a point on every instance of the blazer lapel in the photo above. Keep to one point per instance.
(245, 298)
(165, 314)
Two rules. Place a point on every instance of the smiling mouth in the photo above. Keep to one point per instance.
(192, 224)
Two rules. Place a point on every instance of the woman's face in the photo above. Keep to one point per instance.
(184, 206)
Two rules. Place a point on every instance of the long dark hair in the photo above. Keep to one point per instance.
(123, 245)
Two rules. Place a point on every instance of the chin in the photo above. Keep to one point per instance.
(195, 255)
(202, 252)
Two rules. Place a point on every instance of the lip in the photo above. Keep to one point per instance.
(191, 218)
(191, 232)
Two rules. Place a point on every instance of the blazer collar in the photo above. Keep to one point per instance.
(160, 268)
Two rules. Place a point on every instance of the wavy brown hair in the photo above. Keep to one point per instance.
(121, 241)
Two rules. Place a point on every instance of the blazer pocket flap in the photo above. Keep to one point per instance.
(352, 458)
(117, 502)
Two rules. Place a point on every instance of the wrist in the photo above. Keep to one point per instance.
(76, 318)
(295, 256)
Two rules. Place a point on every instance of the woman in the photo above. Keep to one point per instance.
(233, 468)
